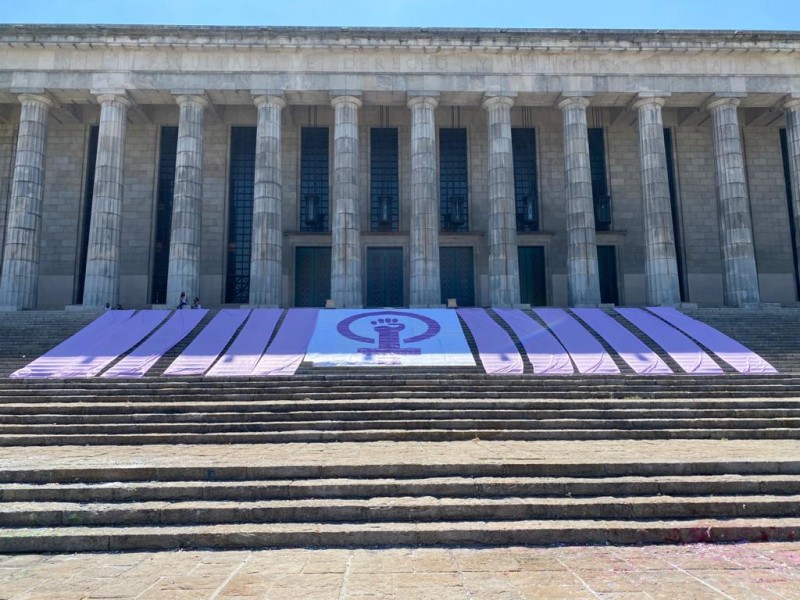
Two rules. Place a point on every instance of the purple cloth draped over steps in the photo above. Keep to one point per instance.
(287, 350)
(142, 358)
(631, 349)
(201, 353)
(103, 353)
(689, 356)
(546, 354)
(496, 349)
(73, 348)
(587, 353)
(244, 353)
(732, 352)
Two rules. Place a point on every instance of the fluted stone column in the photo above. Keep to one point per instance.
(425, 284)
(660, 258)
(187, 200)
(792, 108)
(346, 224)
(738, 254)
(267, 237)
(503, 258)
(103, 254)
(20, 274)
(583, 282)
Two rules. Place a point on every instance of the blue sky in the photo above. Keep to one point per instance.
(602, 14)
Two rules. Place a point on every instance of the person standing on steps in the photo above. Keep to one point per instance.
(196, 302)
(182, 301)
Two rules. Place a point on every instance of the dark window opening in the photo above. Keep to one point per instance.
(787, 177)
(384, 198)
(314, 195)
(673, 203)
(453, 183)
(523, 142)
(168, 150)
(86, 221)
(240, 214)
(600, 195)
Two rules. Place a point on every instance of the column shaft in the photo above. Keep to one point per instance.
(20, 272)
(103, 254)
(736, 231)
(583, 282)
(346, 222)
(425, 283)
(186, 230)
(792, 109)
(503, 258)
(660, 259)
(267, 245)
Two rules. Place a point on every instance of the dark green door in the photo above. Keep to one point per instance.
(607, 267)
(385, 277)
(532, 280)
(312, 276)
(457, 275)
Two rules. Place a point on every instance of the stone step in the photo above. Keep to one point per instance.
(500, 533)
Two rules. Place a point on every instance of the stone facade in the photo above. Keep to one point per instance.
(709, 209)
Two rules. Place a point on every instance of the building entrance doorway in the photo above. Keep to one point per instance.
(385, 277)
(532, 277)
(312, 276)
(607, 269)
(457, 275)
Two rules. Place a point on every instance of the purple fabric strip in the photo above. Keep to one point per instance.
(689, 356)
(73, 348)
(102, 354)
(546, 354)
(287, 350)
(588, 354)
(141, 359)
(631, 349)
(201, 353)
(246, 350)
(732, 352)
(495, 347)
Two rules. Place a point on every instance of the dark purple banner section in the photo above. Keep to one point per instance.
(142, 358)
(74, 348)
(587, 353)
(206, 347)
(689, 356)
(244, 353)
(287, 350)
(496, 349)
(732, 352)
(546, 354)
(631, 349)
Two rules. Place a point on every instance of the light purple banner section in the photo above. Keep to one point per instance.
(631, 349)
(588, 354)
(732, 352)
(205, 348)
(73, 348)
(689, 356)
(287, 350)
(546, 354)
(142, 358)
(496, 349)
(103, 353)
(246, 350)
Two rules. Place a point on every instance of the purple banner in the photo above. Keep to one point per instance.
(142, 358)
(631, 349)
(496, 349)
(587, 353)
(246, 350)
(732, 352)
(689, 356)
(546, 354)
(287, 350)
(73, 349)
(205, 348)
(102, 354)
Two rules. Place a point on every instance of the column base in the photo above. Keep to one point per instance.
(10, 308)
(83, 308)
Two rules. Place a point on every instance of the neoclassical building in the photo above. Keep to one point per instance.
(397, 167)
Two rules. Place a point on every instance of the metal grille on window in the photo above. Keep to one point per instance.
(600, 195)
(314, 179)
(240, 214)
(453, 182)
(88, 192)
(166, 187)
(384, 202)
(523, 143)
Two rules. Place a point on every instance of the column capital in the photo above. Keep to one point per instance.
(720, 100)
(345, 99)
(644, 99)
(791, 102)
(182, 99)
(42, 98)
(567, 101)
(491, 100)
(423, 98)
(109, 96)
(276, 99)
